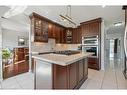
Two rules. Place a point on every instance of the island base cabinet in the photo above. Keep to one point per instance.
(53, 76)
(60, 77)
(71, 76)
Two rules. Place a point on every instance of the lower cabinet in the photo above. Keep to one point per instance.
(60, 77)
(80, 70)
(71, 76)
(94, 63)
(85, 66)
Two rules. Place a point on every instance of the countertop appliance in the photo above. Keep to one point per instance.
(90, 44)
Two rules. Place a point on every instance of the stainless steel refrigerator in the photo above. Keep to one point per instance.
(125, 49)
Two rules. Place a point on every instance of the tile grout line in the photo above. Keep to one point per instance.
(19, 83)
(103, 79)
(116, 79)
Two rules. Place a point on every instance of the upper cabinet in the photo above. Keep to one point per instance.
(77, 35)
(39, 28)
(91, 28)
(43, 28)
(69, 33)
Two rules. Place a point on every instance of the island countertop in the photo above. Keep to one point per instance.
(61, 59)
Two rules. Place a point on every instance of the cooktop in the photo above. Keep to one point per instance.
(67, 52)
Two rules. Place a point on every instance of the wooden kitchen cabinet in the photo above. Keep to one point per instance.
(20, 63)
(85, 30)
(77, 36)
(89, 29)
(43, 28)
(71, 76)
(80, 71)
(60, 77)
(85, 65)
(93, 63)
(39, 28)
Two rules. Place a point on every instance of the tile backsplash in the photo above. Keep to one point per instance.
(51, 45)
(43, 47)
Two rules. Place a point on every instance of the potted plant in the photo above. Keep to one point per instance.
(6, 55)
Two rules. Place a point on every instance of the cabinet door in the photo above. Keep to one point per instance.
(50, 30)
(72, 75)
(79, 36)
(85, 68)
(60, 77)
(80, 70)
(94, 28)
(93, 63)
(74, 37)
(58, 36)
(85, 30)
(63, 36)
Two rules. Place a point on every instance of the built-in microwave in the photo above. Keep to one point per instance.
(90, 40)
(90, 44)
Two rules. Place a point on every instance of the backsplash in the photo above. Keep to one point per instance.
(43, 47)
(51, 45)
(66, 46)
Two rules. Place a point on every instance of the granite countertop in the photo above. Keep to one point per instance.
(61, 59)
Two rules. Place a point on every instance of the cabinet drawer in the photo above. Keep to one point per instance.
(92, 60)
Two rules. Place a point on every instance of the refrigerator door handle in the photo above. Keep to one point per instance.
(125, 41)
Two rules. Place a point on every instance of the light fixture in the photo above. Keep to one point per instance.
(67, 17)
(14, 10)
(118, 24)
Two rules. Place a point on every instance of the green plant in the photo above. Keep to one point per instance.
(6, 53)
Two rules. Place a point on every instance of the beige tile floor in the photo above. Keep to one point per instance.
(22, 81)
(111, 78)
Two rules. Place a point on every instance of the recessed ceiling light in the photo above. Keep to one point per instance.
(118, 24)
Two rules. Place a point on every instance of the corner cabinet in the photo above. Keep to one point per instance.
(39, 28)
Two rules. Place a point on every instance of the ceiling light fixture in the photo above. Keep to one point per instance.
(14, 10)
(68, 17)
(118, 24)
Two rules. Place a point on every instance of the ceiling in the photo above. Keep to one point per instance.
(110, 14)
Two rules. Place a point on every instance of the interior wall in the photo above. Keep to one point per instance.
(102, 44)
(10, 38)
(0, 52)
(115, 34)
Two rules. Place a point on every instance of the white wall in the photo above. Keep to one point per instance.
(102, 44)
(115, 33)
(10, 37)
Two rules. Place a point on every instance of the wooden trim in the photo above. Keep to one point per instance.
(80, 83)
(44, 18)
(91, 21)
(124, 7)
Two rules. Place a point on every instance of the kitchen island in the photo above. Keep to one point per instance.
(57, 71)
